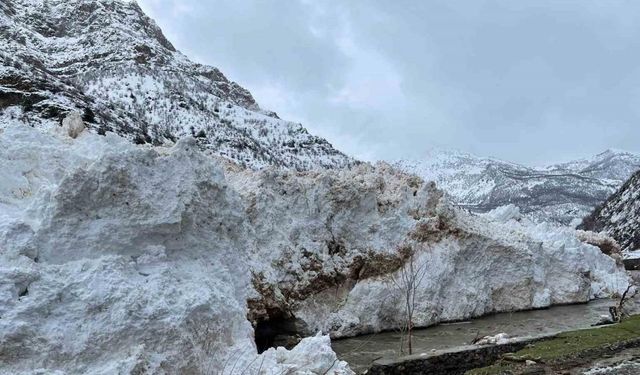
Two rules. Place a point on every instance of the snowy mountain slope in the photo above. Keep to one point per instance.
(561, 193)
(611, 164)
(109, 61)
(619, 216)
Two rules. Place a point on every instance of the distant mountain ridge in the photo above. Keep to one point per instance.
(111, 62)
(562, 193)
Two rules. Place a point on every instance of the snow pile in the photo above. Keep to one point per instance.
(632, 254)
(570, 242)
(73, 124)
(499, 339)
(504, 214)
(479, 267)
(117, 258)
(313, 355)
(122, 259)
(628, 367)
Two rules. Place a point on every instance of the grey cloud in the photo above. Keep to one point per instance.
(253, 40)
(528, 81)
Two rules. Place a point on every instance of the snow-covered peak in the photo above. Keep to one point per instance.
(562, 193)
(611, 164)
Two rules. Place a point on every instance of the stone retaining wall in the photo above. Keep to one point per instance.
(450, 362)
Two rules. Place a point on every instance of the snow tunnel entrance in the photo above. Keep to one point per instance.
(277, 331)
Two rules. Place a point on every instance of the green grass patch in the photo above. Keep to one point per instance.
(568, 345)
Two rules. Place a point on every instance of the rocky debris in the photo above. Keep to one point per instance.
(606, 244)
(619, 216)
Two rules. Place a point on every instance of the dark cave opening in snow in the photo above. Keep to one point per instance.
(277, 331)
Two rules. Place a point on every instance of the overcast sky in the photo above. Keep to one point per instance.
(528, 81)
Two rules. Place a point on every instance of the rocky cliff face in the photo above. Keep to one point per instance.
(109, 61)
(561, 193)
(619, 216)
(126, 258)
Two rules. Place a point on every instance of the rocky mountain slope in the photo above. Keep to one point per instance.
(562, 193)
(124, 258)
(109, 61)
(619, 216)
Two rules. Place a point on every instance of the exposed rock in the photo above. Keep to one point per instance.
(604, 320)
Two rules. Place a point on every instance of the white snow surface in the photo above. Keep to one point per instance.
(122, 258)
(635, 254)
(499, 339)
(490, 267)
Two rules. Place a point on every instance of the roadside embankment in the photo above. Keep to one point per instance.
(551, 354)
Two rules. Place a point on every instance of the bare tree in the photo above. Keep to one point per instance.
(619, 311)
(407, 281)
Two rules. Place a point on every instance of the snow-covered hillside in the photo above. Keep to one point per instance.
(562, 193)
(124, 258)
(619, 216)
(109, 61)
